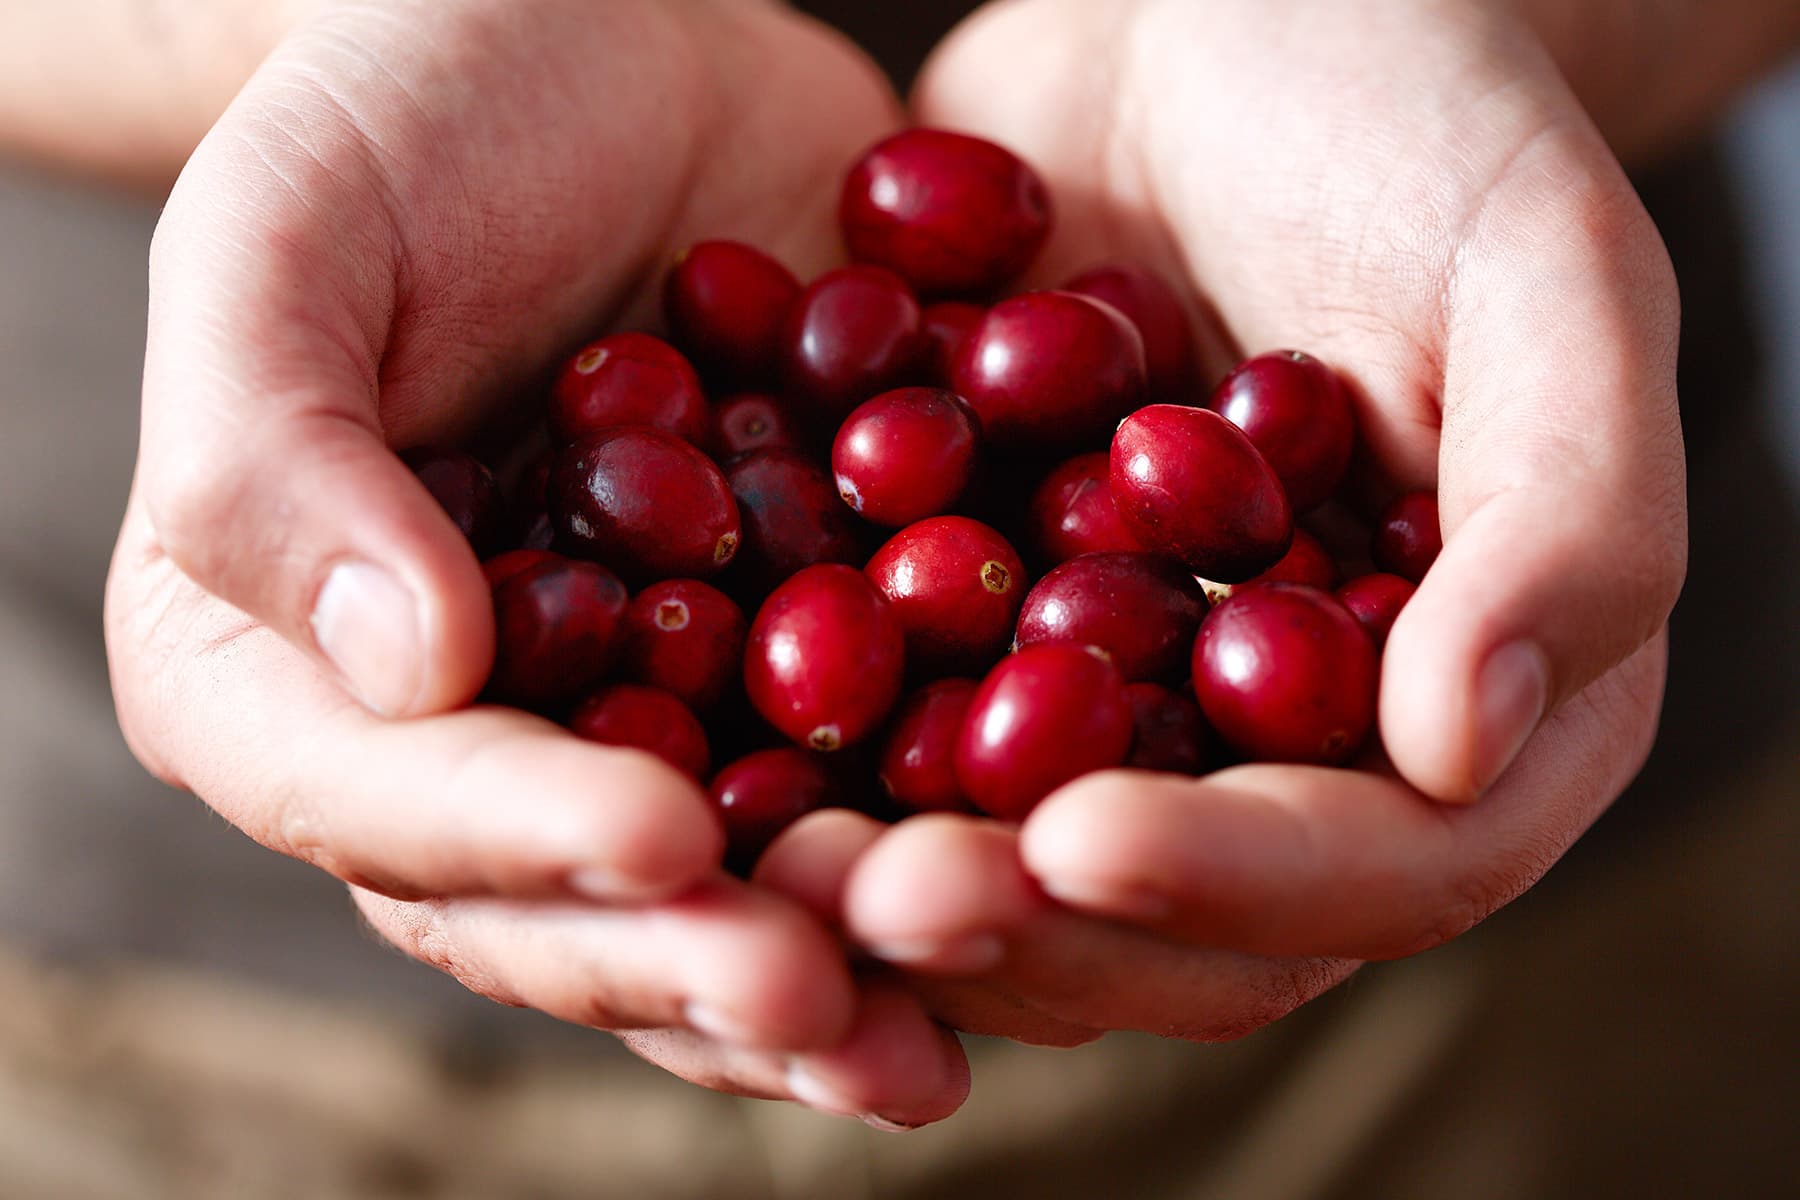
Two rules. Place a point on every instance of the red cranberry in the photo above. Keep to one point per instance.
(825, 658)
(853, 333)
(947, 324)
(752, 421)
(1286, 674)
(1296, 411)
(948, 212)
(1306, 561)
(1408, 536)
(467, 492)
(628, 379)
(1376, 600)
(646, 503)
(955, 585)
(906, 455)
(763, 793)
(557, 627)
(1042, 717)
(792, 517)
(687, 638)
(645, 718)
(1050, 371)
(918, 760)
(1072, 511)
(725, 303)
(1170, 732)
(503, 567)
(1143, 610)
(1190, 484)
(1149, 303)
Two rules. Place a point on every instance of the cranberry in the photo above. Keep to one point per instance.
(1050, 371)
(687, 638)
(792, 517)
(466, 490)
(1149, 303)
(1376, 601)
(502, 567)
(752, 421)
(646, 503)
(645, 718)
(1408, 537)
(1171, 733)
(1297, 412)
(1286, 674)
(1143, 610)
(948, 212)
(628, 379)
(947, 324)
(1042, 717)
(1306, 561)
(906, 455)
(955, 586)
(918, 759)
(540, 531)
(1190, 484)
(825, 657)
(725, 303)
(557, 627)
(763, 793)
(853, 333)
(1072, 511)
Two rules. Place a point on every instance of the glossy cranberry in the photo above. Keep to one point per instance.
(503, 567)
(955, 585)
(947, 324)
(1190, 484)
(687, 638)
(557, 627)
(947, 212)
(645, 718)
(792, 517)
(1307, 561)
(1143, 610)
(918, 759)
(853, 333)
(1408, 536)
(725, 303)
(1170, 733)
(1149, 303)
(646, 503)
(825, 658)
(1042, 717)
(752, 421)
(1050, 371)
(1297, 412)
(1376, 600)
(467, 492)
(763, 793)
(628, 379)
(1072, 511)
(906, 455)
(1285, 674)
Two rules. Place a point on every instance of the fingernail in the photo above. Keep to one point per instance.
(716, 1023)
(875, 1121)
(814, 1092)
(609, 887)
(1137, 903)
(367, 623)
(978, 952)
(1510, 695)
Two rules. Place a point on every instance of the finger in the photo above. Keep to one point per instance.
(811, 860)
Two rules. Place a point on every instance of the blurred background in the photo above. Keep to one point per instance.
(183, 1014)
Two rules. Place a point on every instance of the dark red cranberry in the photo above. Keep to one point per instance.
(918, 759)
(825, 658)
(646, 503)
(1408, 536)
(948, 324)
(1050, 371)
(540, 531)
(1286, 674)
(753, 421)
(1171, 733)
(792, 517)
(1142, 609)
(1149, 303)
(1072, 511)
(906, 455)
(467, 492)
(947, 212)
(645, 718)
(687, 638)
(628, 379)
(1190, 484)
(1376, 600)
(853, 333)
(763, 793)
(955, 585)
(725, 303)
(1042, 717)
(1306, 561)
(502, 567)
(557, 628)
(1296, 411)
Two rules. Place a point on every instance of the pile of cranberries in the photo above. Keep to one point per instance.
(896, 540)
